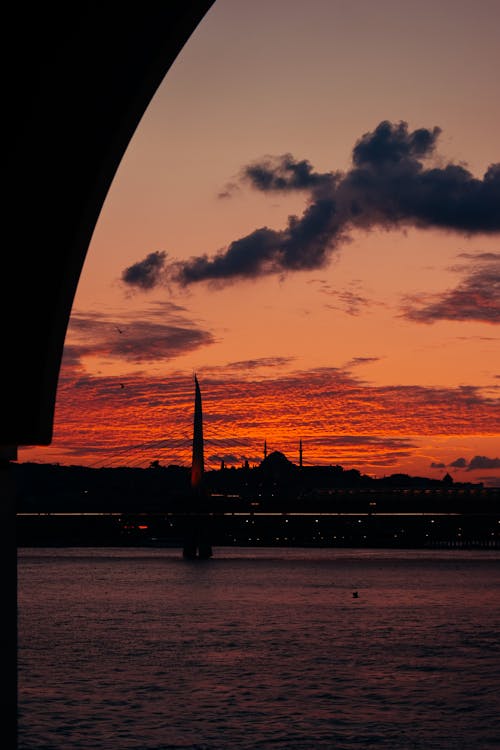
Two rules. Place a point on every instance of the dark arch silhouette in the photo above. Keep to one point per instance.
(77, 80)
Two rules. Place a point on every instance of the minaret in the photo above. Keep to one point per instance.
(265, 448)
(197, 466)
(300, 453)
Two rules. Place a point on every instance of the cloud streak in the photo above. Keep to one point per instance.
(476, 298)
(388, 185)
(134, 340)
(329, 408)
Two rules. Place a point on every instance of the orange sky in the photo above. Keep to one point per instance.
(379, 347)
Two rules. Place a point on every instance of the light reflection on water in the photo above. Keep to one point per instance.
(259, 648)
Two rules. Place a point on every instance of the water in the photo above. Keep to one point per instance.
(258, 648)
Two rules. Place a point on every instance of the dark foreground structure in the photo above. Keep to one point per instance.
(78, 80)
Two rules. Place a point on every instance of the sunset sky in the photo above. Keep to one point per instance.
(308, 217)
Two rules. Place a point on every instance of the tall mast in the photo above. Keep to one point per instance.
(197, 543)
(197, 466)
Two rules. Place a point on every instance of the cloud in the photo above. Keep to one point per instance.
(303, 245)
(258, 362)
(355, 361)
(483, 462)
(132, 339)
(459, 463)
(394, 443)
(476, 463)
(147, 341)
(476, 298)
(250, 368)
(484, 257)
(72, 357)
(229, 190)
(389, 185)
(285, 174)
(393, 144)
(437, 465)
(350, 301)
(340, 418)
(146, 273)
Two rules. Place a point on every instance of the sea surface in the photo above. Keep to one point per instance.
(256, 649)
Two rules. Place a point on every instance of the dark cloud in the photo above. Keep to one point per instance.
(459, 463)
(146, 273)
(483, 462)
(476, 298)
(285, 174)
(437, 465)
(392, 144)
(481, 257)
(362, 361)
(253, 364)
(476, 463)
(132, 339)
(147, 341)
(303, 245)
(72, 359)
(388, 185)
